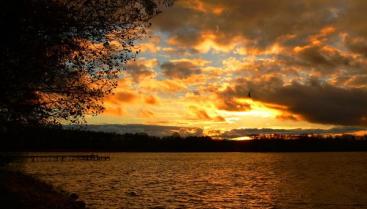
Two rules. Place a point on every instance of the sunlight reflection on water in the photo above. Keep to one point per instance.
(214, 180)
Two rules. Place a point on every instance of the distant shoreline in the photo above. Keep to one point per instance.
(61, 140)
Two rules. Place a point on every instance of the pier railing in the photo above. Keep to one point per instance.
(42, 158)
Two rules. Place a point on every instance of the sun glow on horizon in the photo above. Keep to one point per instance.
(257, 109)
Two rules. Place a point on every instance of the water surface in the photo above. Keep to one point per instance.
(214, 180)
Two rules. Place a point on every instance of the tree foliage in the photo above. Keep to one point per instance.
(59, 58)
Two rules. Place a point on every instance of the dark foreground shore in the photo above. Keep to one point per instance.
(20, 191)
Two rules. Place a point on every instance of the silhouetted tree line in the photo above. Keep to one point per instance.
(59, 58)
(55, 139)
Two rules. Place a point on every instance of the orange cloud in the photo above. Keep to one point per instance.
(289, 116)
(295, 68)
(121, 97)
(203, 7)
(164, 86)
(201, 114)
(151, 45)
(114, 111)
(151, 100)
(146, 114)
(180, 69)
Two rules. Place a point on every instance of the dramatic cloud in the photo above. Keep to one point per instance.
(261, 22)
(249, 63)
(308, 55)
(314, 100)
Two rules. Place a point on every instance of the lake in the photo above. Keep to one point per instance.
(214, 180)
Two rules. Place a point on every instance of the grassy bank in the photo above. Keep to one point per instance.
(21, 191)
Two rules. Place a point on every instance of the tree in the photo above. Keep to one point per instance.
(59, 58)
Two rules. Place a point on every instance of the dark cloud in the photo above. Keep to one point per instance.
(265, 22)
(315, 101)
(262, 21)
(323, 59)
(357, 45)
(139, 71)
(352, 17)
(360, 80)
(180, 69)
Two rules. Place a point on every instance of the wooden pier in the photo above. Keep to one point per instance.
(43, 158)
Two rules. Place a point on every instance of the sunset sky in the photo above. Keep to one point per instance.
(303, 63)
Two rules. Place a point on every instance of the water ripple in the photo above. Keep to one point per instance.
(215, 180)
